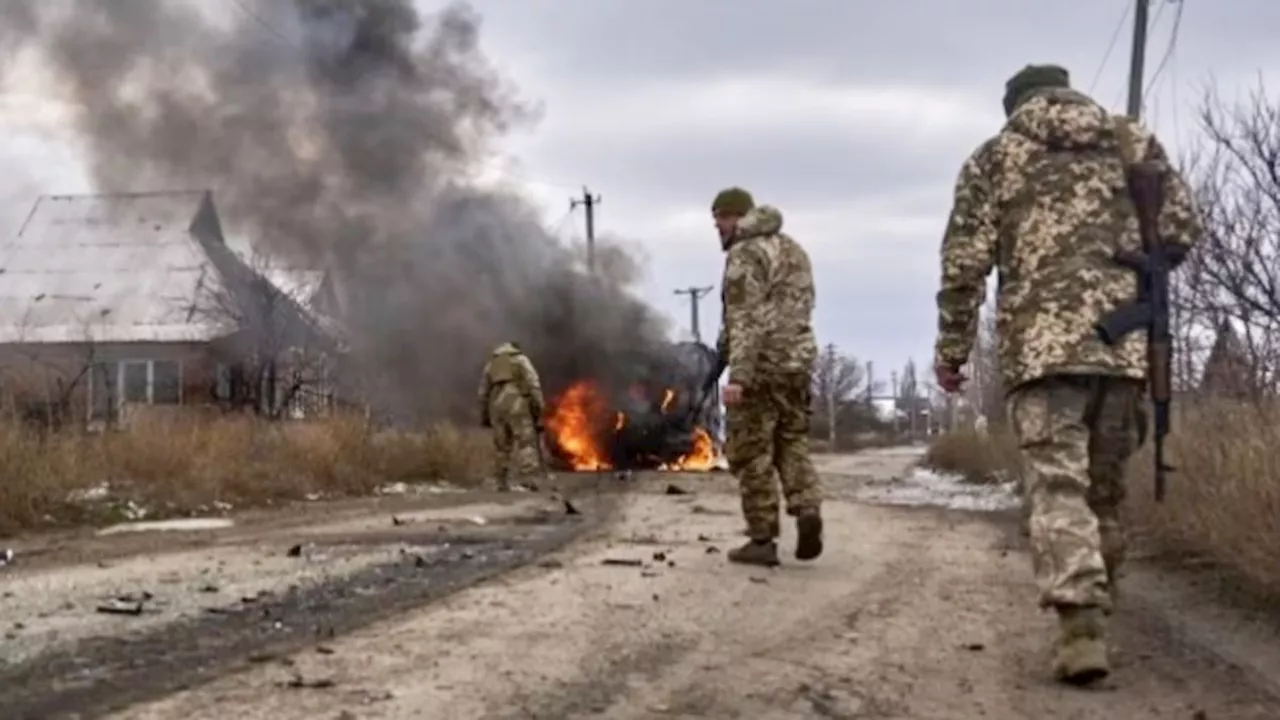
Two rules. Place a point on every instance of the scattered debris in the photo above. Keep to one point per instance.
(673, 489)
(660, 556)
(325, 650)
(397, 520)
(975, 647)
(648, 573)
(298, 681)
(210, 588)
(295, 551)
(704, 538)
(117, 606)
(712, 549)
(551, 564)
(623, 562)
(759, 580)
(264, 656)
(6, 557)
(477, 520)
(569, 508)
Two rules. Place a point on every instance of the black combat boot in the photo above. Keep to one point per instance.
(756, 552)
(808, 535)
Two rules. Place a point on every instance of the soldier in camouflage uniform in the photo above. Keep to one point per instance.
(511, 403)
(767, 335)
(1045, 203)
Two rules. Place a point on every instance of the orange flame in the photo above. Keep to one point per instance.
(701, 457)
(569, 423)
(575, 418)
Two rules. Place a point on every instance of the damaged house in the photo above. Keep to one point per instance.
(114, 303)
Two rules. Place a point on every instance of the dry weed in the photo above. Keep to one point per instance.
(979, 458)
(187, 465)
(1223, 503)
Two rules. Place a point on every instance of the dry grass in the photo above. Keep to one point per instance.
(182, 467)
(1223, 504)
(1222, 510)
(979, 458)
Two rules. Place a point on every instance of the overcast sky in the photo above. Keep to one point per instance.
(851, 116)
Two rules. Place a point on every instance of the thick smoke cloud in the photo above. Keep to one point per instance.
(340, 133)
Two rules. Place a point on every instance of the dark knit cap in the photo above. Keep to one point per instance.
(734, 201)
(1030, 78)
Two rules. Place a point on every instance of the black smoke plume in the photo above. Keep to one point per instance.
(340, 134)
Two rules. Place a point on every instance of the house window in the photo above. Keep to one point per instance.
(134, 381)
(145, 382)
(102, 391)
(166, 382)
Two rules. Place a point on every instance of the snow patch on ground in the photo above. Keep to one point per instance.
(177, 525)
(921, 487)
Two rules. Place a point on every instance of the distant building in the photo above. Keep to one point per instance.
(109, 302)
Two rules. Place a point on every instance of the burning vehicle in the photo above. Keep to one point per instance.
(662, 418)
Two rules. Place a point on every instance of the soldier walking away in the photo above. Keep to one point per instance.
(511, 404)
(767, 336)
(1045, 201)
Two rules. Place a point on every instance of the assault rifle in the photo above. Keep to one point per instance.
(1150, 310)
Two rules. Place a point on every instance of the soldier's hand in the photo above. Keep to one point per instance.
(732, 394)
(949, 377)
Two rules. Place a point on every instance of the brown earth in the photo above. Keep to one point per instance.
(911, 613)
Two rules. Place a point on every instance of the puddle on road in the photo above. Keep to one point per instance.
(925, 488)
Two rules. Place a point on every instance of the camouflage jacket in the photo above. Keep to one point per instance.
(508, 369)
(767, 297)
(1045, 202)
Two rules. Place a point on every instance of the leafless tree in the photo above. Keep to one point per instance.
(837, 380)
(277, 351)
(1233, 279)
(984, 394)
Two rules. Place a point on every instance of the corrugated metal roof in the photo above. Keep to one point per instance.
(110, 268)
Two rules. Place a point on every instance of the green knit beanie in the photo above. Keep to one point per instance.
(734, 201)
(1033, 77)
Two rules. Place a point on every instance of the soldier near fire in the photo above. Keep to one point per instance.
(767, 338)
(511, 404)
(1046, 201)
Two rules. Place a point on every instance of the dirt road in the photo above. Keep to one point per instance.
(911, 613)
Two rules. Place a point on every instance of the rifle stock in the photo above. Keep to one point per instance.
(1150, 310)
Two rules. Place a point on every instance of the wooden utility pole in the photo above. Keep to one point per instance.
(1138, 57)
(893, 378)
(695, 296)
(830, 391)
(590, 203)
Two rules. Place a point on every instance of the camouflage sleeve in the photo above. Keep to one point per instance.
(482, 395)
(746, 277)
(1180, 225)
(531, 384)
(968, 255)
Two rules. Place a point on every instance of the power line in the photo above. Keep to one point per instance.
(1169, 49)
(260, 21)
(1111, 46)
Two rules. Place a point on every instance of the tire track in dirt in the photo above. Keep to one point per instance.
(102, 674)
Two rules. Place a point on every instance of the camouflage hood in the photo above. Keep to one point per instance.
(506, 349)
(1062, 119)
(760, 221)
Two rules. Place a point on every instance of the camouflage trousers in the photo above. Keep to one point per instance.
(768, 442)
(515, 444)
(1076, 434)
